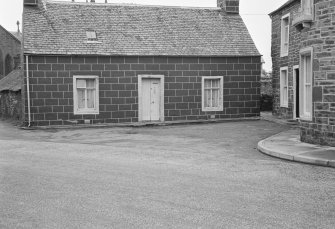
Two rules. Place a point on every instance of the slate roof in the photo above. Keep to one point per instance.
(11, 82)
(17, 34)
(283, 6)
(60, 28)
(11, 34)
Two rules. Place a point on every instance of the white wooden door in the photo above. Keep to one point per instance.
(151, 99)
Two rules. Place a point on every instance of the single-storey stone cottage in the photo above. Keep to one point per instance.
(115, 63)
(303, 54)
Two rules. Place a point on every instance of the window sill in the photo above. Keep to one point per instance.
(86, 112)
(284, 54)
(212, 109)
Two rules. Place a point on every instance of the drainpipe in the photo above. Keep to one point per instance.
(28, 91)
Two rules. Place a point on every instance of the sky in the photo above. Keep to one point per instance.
(254, 14)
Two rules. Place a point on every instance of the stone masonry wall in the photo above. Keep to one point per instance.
(287, 61)
(10, 105)
(321, 36)
(51, 79)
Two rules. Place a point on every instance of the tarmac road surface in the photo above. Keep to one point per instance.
(188, 176)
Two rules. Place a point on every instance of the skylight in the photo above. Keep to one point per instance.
(91, 35)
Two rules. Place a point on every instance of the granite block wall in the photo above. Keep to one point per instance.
(51, 87)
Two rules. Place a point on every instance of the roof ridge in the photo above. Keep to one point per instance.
(132, 4)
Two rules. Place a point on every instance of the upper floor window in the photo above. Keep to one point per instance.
(307, 6)
(304, 17)
(285, 35)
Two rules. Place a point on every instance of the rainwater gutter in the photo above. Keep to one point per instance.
(28, 91)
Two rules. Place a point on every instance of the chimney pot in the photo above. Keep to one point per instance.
(18, 27)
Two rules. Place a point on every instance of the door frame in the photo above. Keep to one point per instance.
(295, 67)
(140, 99)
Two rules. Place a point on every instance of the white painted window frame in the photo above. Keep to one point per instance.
(76, 109)
(220, 106)
(140, 99)
(283, 51)
(307, 6)
(304, 70)
(283, 86)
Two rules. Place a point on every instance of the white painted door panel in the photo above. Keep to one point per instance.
(146, 85)
(155, 99)
(151, 99)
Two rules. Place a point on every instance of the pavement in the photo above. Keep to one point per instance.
(287, 145)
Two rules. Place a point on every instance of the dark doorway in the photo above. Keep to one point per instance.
(297, 85)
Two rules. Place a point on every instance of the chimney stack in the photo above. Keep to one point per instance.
(221, 3)
(30, 2)
(230, 6)
(93, 1)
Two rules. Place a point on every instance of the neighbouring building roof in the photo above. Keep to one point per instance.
(11, 34)
(18, 35)
(11, 82)
(283, 6)
(61, 28)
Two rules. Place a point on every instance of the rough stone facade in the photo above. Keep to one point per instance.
(289, 61)
(10, 105)
(317, 34)
(51, 87)
(10, 51)
(321, 36)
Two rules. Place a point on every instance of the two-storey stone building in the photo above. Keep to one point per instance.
(10, 51)
(115, 63)
(10, 74)
(303, 52)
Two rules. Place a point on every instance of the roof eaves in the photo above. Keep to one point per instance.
(289, 2)
(161, 55)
